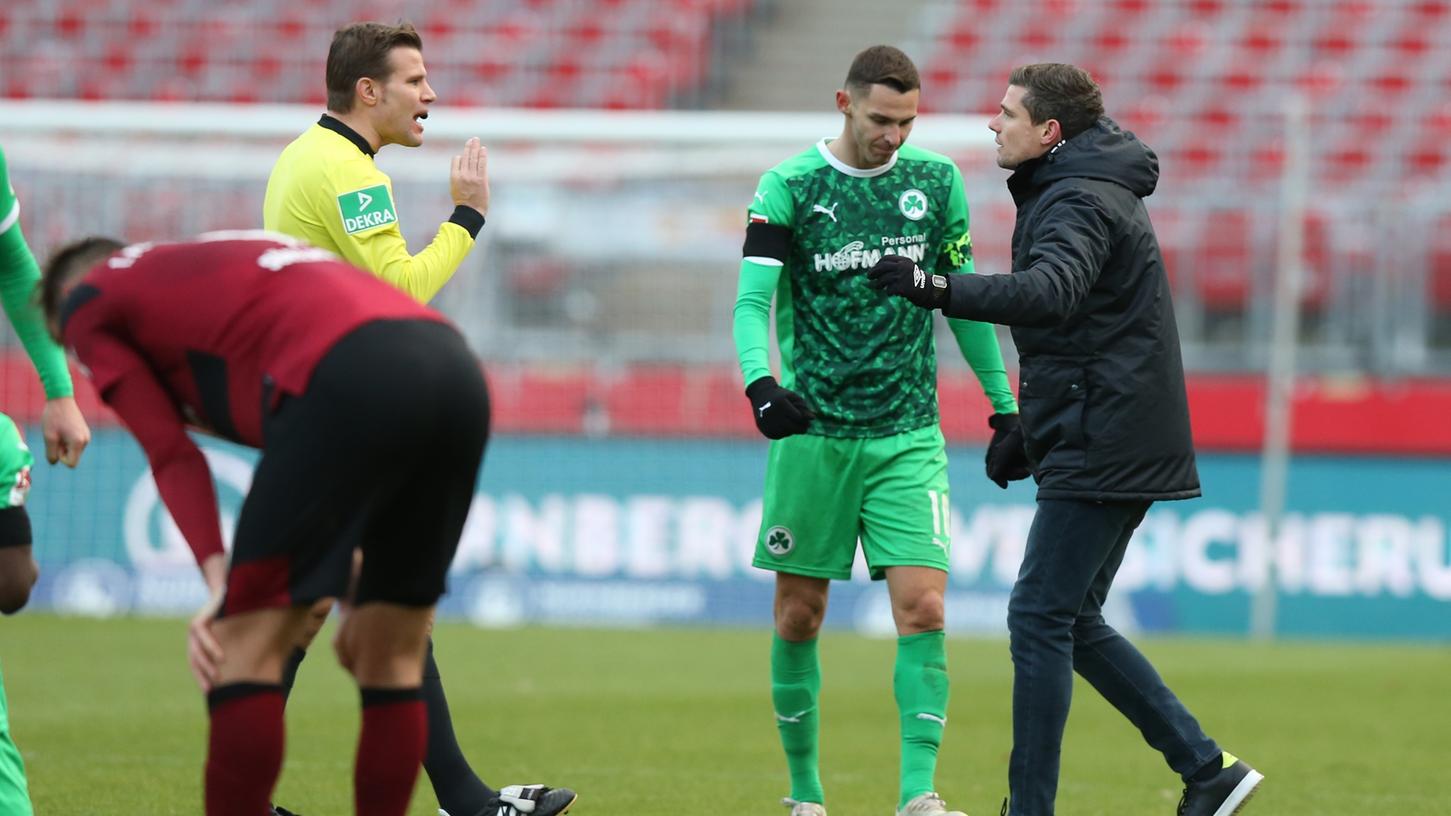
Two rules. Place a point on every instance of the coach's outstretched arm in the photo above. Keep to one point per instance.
(1063, 265)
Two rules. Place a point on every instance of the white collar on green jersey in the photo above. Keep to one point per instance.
(832, 160)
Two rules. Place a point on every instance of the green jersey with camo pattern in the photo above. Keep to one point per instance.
(864, 362)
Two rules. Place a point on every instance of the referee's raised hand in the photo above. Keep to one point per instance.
(468, 179)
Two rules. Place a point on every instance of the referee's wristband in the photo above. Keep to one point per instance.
(468, 218)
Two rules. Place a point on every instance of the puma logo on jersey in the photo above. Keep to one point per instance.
(817, 208)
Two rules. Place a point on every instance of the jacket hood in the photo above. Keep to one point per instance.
(1104, 152)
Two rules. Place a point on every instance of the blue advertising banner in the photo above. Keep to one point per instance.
(633, 532)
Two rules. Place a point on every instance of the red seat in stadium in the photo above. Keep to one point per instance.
(1428, 158)
(1224, 260)
(1439, 264)
(1041, 36)
(1432, 10)
(1262, 40)
(1195, 160)
(941, 79)
(1317, 257)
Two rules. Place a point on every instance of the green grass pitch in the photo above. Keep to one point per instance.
(669, 723)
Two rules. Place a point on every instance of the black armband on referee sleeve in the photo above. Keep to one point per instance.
(468, 218)
(767, 241)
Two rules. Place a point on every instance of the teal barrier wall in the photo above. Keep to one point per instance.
(627, 532)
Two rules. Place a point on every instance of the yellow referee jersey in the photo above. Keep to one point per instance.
(326, 190)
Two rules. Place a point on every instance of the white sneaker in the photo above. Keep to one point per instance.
(928, 804)
(804, 808)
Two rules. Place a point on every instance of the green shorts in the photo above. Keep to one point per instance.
(15, 462)
(14, 795)
(824, 493)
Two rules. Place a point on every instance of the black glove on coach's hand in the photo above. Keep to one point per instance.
(777, 411)
(898, 275)
(1007, 461)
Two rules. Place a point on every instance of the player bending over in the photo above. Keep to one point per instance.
(371, 414)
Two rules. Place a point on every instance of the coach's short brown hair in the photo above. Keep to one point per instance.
(1056, 90)
(361, 50)
(882, 65)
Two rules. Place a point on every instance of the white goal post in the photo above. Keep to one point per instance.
(613, 235)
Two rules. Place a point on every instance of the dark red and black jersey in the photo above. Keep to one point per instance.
(210, 333)
(225, 323)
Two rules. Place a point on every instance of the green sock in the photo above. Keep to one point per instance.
(795, 687)
(920, 682)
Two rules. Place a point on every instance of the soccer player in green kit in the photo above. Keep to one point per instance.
(857, 450)
(66, 435)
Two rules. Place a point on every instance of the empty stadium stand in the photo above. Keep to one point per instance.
(533, 53)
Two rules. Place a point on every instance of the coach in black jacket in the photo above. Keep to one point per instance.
(1104, 422)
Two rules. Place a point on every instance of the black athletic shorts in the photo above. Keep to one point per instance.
(381, 453)
(14, 527)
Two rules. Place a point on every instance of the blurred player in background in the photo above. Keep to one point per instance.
(374, 415)
(326, 190)
(66, 436)
(858, 451)
(1105, 422)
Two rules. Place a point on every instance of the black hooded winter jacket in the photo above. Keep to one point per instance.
(1101, 391)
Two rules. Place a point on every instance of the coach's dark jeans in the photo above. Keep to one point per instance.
(1055, 620)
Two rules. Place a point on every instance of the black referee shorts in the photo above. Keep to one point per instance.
(381, 453)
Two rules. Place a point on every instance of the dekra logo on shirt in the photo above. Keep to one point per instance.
(365, 209)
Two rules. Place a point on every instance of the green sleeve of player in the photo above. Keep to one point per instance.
(978, 341)
(19, 274)
(979, 345)
(955, 254)
(759, 277)
(751, 327)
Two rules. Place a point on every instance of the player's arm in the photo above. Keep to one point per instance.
(383, 252)
(182, 476)
(978, 341)
(777, 411)
(65, 430)
(1005, 460)
(1062, 267)
(364, 227)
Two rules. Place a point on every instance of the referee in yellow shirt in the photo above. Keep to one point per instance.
(326, 190)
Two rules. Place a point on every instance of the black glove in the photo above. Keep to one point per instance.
(777, 411)
(898, 275)
(1007, 461)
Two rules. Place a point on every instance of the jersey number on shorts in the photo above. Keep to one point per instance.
(941, 513)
